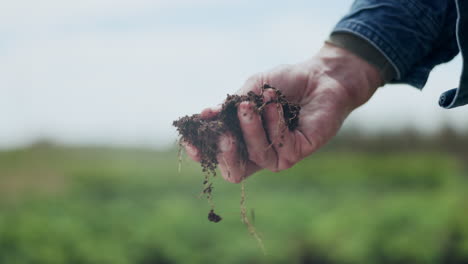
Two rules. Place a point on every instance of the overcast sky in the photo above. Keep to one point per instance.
(119, 72)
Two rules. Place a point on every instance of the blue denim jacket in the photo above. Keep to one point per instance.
(415, 36)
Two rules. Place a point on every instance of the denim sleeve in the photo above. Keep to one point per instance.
(459, 96)
(414, 35)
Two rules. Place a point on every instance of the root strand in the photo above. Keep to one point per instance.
(246, 221)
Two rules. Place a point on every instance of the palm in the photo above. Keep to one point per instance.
(320, 116)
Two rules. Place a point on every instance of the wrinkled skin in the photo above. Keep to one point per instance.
(328, 88)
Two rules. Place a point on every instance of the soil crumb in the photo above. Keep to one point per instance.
(212, 217)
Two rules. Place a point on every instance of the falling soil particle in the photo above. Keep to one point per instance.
(214, 217)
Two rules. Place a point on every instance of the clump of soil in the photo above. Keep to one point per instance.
(204, 133)
(213, 217)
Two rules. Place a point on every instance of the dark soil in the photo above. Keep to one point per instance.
(213, 217)
(204, 133)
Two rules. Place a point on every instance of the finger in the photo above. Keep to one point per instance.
(232, 168)
(210, 112)
(255, 137)
(192, 151)
(289, 76)
(282, 140)
(253, 84)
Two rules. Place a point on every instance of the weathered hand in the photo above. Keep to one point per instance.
(327, 87)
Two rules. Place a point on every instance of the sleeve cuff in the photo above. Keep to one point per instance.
(366, 51)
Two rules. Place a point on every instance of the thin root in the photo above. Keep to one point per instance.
(246, 221)
(179, 157)
(227, 167)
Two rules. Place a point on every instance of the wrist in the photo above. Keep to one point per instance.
(357, 79)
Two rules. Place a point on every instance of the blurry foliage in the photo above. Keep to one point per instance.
(353, 202)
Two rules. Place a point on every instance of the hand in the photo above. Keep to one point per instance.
(328, 87)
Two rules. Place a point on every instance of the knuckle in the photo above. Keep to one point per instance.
(232, 178)
(258, 158)
(286, 164)
(192, 153)
(300, 74)
(236, 180)
(252, 83)
(274, 169)
(228, 175)
(269, 94)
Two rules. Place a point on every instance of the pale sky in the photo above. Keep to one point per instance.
(118, 72)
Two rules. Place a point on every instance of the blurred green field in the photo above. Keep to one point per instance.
(103, 205)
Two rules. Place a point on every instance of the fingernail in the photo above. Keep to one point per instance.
(191, 150)
(225, 144)
(269, 94)
(246, 112)
(210, 112)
